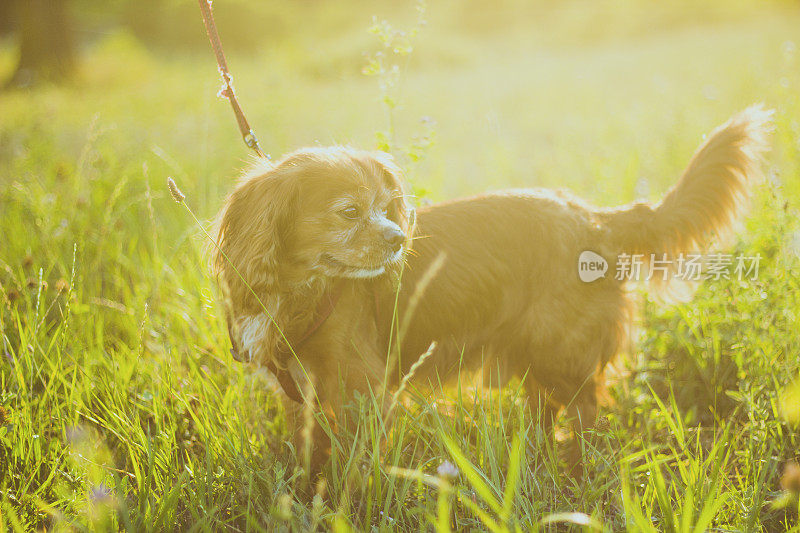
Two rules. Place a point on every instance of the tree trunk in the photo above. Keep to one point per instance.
(47, 50)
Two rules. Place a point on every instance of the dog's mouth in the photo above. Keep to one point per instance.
(358, 271)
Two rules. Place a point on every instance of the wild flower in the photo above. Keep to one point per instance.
(447, 471)
(603, 424)
(176, 193)
(13, 295)
(100, 494)
(62, 285)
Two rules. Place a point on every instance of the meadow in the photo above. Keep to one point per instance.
(121, 408)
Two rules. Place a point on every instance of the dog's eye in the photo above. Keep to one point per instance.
(349, 212)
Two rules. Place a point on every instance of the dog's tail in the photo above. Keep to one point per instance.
(707, 199)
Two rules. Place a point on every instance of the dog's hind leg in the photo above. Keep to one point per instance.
(542, 404)
(547, 397)
(582, 406)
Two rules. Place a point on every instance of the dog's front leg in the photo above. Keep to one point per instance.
(308, 425)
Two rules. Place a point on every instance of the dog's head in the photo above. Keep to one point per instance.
(318, 212)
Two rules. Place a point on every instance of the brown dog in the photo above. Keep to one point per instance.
(320, 238)
(304, 246)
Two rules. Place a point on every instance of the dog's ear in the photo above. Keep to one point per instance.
(400, 210)
(253, 229)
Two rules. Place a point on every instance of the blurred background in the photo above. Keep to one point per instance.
(493, 94)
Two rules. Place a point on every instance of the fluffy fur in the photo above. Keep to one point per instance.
(506, 298)
(293, 232)
(509, 297)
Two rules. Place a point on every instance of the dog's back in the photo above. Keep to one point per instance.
(508, 294)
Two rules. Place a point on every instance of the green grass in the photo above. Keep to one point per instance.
(123, 409)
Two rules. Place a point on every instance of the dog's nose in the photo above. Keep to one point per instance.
(395, 237)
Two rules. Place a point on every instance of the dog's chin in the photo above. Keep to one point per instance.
(335, 268)
(363, 273)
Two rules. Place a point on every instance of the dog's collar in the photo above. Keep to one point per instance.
(323, 311)
(287, 383)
